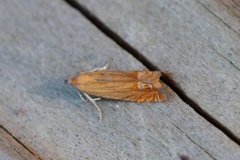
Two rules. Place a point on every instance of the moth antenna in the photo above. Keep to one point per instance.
(94, 104)
(105, 67)
(102, 68)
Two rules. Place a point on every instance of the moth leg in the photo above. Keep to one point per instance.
(80, 95)
(102, 68)
(96, 99)
(94, 104)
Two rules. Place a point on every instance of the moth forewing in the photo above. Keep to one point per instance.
(138, 86)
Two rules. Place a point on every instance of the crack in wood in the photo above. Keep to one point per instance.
(193, 141)
(19, 153)
(216, 16)
(231, 63)
(233, 8)
(18, 141)
(140, 57)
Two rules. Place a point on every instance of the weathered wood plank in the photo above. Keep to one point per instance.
(227, 11)
(11, 149)
(42, 43)
(200, 48)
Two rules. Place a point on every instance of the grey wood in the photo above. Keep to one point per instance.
(227, 11)
(11, 149)
(42, 43)
(197, 44)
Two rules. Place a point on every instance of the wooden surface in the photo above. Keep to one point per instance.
(44, 42)
(13, 149)
(195, 41)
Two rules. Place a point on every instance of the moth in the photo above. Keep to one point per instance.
(133, 85)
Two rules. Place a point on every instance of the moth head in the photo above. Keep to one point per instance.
(71, 81)
(78, 80)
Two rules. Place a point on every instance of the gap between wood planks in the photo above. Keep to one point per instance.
(165, 78)
(18, 141)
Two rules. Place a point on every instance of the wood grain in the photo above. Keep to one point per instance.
(194, 40)
(12, 149)
(43, 43)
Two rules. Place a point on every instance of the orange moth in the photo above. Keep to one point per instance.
(134, 85)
